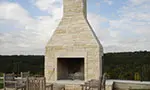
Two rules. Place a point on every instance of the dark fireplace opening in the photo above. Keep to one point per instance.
(70, 68)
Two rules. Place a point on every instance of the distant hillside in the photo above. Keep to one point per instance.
(15, 63)
(122, 65)
(127, 65)
(141, 57)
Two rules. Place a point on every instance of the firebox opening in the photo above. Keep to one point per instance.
(70, 69)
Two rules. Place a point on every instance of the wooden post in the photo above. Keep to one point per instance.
(4, 81)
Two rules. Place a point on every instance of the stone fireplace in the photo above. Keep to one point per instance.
(73, 52)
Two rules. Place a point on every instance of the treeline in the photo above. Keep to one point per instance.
(128, 65)
(21, 63)
(123, 65)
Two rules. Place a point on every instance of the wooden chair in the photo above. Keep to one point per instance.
(103, 80)
(95, 84)
(25, 74)
(56, 86)
(10, 82)
(92, 84)
(85, 86)
(37, 83)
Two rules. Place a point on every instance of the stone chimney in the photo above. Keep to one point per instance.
(73, 52)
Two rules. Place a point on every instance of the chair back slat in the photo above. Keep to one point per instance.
(25, 74)
(9, 77)
(36, 83)
(94, 83)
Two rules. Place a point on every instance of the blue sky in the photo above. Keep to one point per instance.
(27, 25)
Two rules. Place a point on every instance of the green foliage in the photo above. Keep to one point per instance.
(17, 64)
(1, 83)
(137, 76)
(1, 74)
(124, 65)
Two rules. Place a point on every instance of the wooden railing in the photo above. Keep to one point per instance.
(130, 86)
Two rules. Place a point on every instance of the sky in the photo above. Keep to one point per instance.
(27, 25)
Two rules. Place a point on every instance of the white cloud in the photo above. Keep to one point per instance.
(109, 2)
(98, 4)
(13, 11)
(105, 36)
(95, 23)
(44, 4)
(52, 6)
(138, 2)
(32, 37)
(132, 27)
